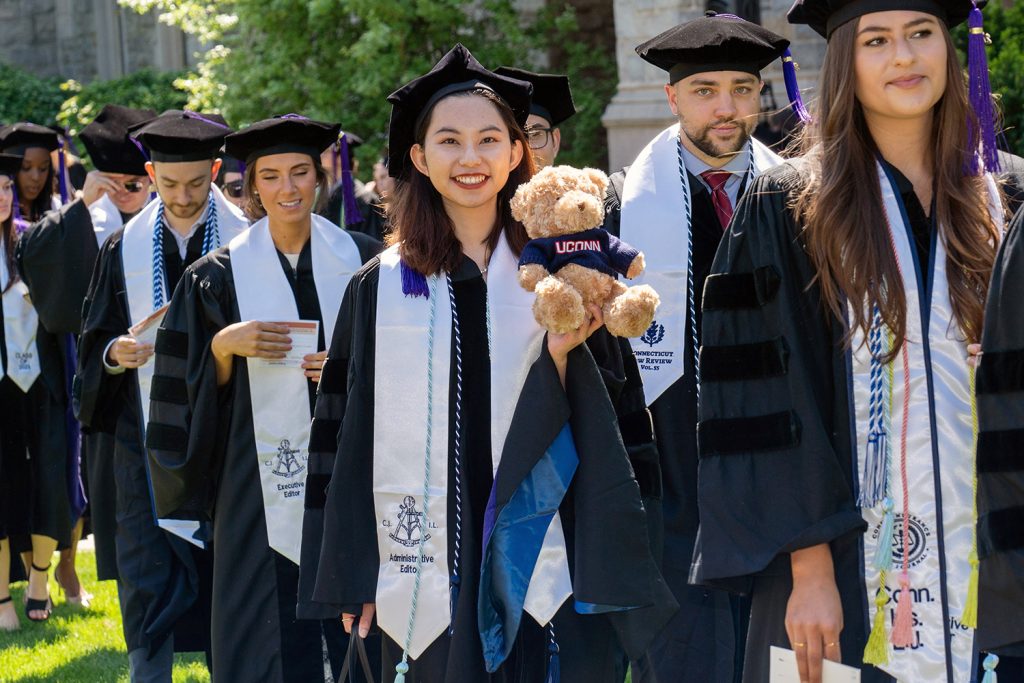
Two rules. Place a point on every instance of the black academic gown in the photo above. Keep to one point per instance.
(340, 553)
(704, 641)
(374, 224)
(162, 577)
(752, 458)
(203, 459)
(57, 256)
(34, 450)
(1000, 386)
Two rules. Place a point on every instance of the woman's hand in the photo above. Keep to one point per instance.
(313, 363)
(814, 613)
(559, 345)
(369, 609)
(252, 339)
(974, 355)
(128, 352)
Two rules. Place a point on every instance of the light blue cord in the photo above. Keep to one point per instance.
(403, 666)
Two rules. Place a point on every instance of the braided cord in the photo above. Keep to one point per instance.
(158, 258)
(690, 294)
(457, 337)
(403, 666)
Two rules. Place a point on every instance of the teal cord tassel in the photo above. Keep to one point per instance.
(401, 669)
(991, 662)
(883, 551)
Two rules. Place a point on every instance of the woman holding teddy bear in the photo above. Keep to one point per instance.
(469, 484)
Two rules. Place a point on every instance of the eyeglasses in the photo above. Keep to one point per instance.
(233, 189)
(133, 186)
(538, 137)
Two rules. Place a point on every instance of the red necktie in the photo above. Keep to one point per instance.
(723, 208)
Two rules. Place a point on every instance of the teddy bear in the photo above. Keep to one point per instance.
(571, 262)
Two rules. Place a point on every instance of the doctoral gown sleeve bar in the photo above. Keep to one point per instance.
(775, 449)
(56, 257)
(339, 546)
(1000, 387)
(186, 432)
(96, 392)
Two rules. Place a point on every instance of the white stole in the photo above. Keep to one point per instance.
(279, 395)
(655, 218)
(106, 219)
(20, 325)
(400, 442)
(950, 459)
(137, 265)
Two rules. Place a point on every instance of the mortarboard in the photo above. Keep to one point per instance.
(177, 136)
(107, 142)
(714, 42)
(10, 164)
(457, 71)
(281, 134)
(552, 98)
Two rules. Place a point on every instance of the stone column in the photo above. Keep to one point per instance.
(639, 109)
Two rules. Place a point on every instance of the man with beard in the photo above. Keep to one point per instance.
(674, 203)
(162, 578)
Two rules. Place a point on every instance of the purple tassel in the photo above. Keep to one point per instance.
(20, 225)
(413, 283)
(62, 166)
(981, 100)
(348, 187)
(793, 87)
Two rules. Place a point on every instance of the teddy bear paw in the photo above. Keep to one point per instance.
(631, 313)
(558, 307)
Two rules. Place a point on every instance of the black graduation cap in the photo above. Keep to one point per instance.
(10, 164)
(288, 133)
(825, 16)
(229, 164)
(107, 142)
(552, 98)
(714, 42)
(21, 136)
(457, 71)
(177, 136)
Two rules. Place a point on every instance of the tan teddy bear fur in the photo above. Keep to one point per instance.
(561, 200)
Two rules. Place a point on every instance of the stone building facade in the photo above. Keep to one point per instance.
(639, 109)
(88, 39)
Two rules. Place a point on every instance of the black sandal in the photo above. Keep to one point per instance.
(33, 605)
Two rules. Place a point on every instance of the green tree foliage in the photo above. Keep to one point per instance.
(24, 97)
(339, 59)
(1005, 25)
(145, 89)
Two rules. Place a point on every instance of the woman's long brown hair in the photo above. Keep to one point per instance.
(417, 215)
(842, 213)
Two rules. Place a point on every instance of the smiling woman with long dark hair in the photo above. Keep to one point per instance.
(837, 399)
(441, 403)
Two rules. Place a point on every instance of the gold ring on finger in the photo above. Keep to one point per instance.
(831, 644)
(799, 644)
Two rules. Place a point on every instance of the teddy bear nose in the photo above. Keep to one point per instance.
(581, 206)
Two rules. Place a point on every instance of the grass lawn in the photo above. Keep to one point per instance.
(78, 646)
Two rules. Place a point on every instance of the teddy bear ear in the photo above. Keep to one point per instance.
(520, 202)
(598, 178)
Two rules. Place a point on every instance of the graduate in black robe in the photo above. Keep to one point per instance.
(784, 466)
(1000, 480)
(204, 456)
(38, 514)
(57, 256)
(705, 639)
(161, 577)
(601, 514)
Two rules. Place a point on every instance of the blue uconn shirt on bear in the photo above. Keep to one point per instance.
(594, 248)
